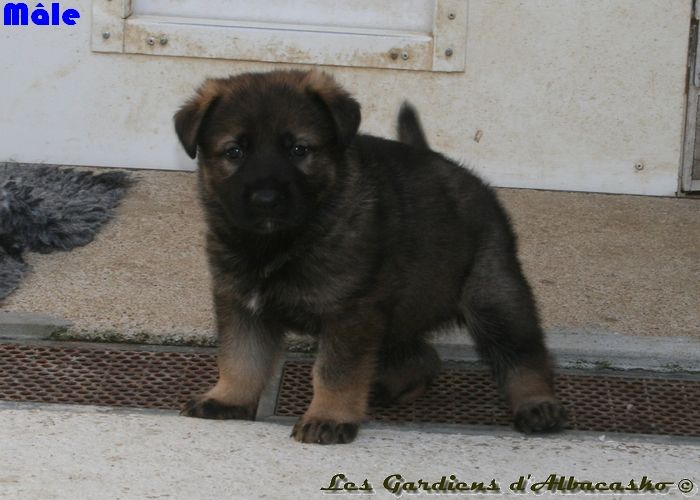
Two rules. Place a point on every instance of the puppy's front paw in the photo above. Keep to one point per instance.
(540, 416)
(211, 408)
(324, 431)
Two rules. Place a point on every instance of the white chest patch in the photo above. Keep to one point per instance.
(253, 303)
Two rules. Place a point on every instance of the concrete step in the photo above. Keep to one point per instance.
(54, 451)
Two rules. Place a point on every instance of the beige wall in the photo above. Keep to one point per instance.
(568, 95)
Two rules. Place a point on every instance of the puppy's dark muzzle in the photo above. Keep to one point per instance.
(265, 199)
(268, 199)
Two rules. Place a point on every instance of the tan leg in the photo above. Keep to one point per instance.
(342, 402)
(342, 378)
(500, 312)
(532, 399)
(248, 351)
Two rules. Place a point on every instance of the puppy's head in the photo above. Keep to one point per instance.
(270, 145)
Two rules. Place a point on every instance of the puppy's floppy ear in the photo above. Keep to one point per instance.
(344, 109)
(188, 120)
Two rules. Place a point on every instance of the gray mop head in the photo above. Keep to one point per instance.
(45, 208)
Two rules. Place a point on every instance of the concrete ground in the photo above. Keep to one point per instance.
(598, 264)
(52, 451)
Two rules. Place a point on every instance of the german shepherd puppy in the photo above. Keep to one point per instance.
(367, 243)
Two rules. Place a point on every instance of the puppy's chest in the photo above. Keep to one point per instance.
(253, 300)
(269, 305)
(296, 292)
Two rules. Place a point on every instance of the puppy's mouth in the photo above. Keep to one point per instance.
(269, 225)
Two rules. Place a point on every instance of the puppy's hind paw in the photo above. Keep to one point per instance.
(540, 416)
(213, 409)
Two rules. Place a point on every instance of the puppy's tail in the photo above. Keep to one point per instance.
(409, 128)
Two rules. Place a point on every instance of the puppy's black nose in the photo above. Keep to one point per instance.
(264, 198)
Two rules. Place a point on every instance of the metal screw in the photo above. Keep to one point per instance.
(639, 166)
(404, 56)
(150, 40)
(451, 16)
(449, 52)
(106, 34)
(163, 39)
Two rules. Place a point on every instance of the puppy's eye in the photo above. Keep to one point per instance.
(234, 153)
(299, 150)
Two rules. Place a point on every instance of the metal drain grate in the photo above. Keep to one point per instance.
(101, 375)
(611, 403)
